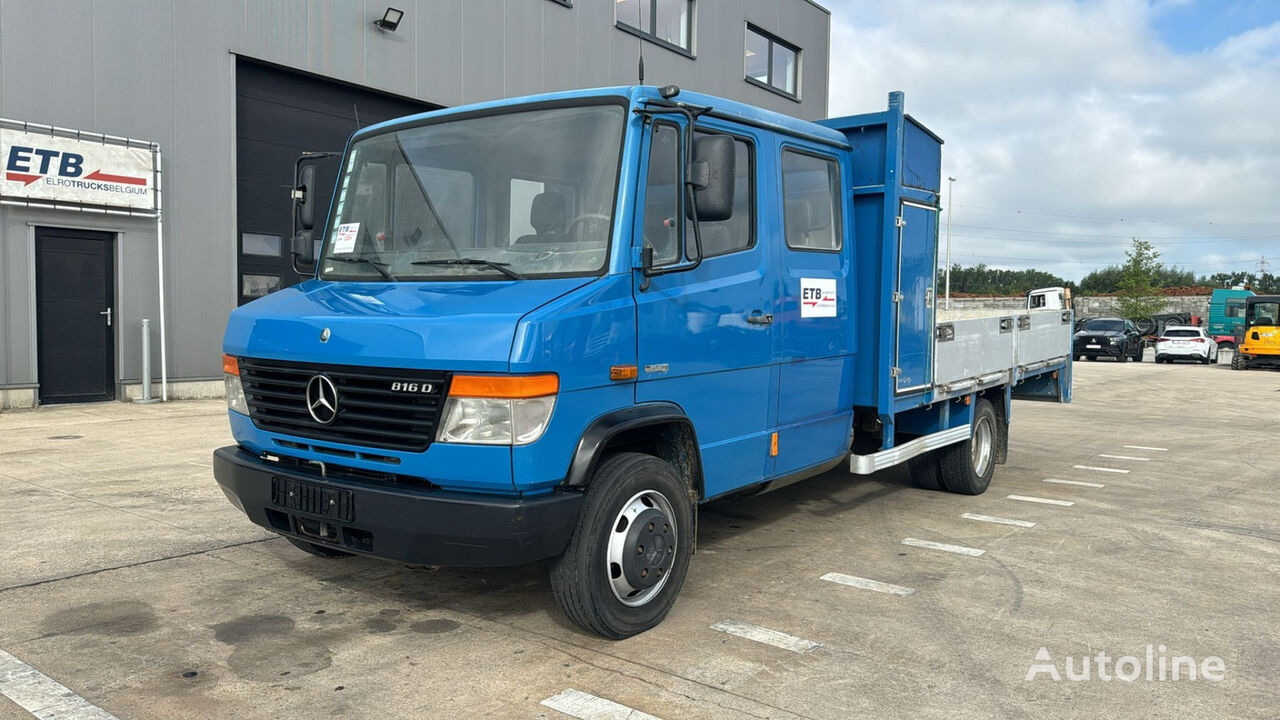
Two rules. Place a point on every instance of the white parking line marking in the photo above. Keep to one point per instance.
(865, 584)
(1099, 469)
(1044, 501)
(1081, 483)
(957, 549)
(997, 520)
(589, 707)
(1123, 457)
(41, 695)
(766, 636)
(1144, 447)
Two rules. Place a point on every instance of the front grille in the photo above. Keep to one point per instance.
(370, 413)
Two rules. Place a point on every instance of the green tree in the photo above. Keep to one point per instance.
(1138, 280)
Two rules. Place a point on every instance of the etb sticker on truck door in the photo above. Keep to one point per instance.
(817, 297)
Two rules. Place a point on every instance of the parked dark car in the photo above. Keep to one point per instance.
(1108, 337)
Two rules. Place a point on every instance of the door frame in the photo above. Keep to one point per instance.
(897, 305)
(112, 238)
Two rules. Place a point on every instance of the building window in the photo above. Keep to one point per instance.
(772, 62)
(566, 3)
(666, 22)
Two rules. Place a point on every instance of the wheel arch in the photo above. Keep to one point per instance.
(659, 429)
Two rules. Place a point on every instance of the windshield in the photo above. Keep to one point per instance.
(1104, 325)
(512, 196)
(1263, 313)
(1182, 333)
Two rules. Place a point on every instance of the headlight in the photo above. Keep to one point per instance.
(497, 410)
(1116, 340)
(235, 390)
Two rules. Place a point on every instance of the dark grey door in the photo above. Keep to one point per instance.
(280, 115)
(75, 315)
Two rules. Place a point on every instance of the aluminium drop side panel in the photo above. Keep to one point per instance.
(1047, 338)
(980, 347)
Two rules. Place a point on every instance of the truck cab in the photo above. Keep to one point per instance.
(551, 327)
(1226, 314)
(1258, 337)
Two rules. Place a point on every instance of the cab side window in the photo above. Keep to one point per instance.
(661, 195)
(811, 190)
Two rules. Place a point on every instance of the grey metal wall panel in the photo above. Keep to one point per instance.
(438, 51)
(523, 41)
(337, 31)
(55, 79)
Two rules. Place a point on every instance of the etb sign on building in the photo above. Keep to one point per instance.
(44, 166)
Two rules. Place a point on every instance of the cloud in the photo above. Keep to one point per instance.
(1078, 115)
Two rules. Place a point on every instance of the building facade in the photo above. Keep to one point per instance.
(225, 95)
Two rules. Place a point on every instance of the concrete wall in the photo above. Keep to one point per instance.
(1089, 306)
(165, 71)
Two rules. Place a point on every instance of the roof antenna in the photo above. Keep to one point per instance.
(356, 110)
(639, 22)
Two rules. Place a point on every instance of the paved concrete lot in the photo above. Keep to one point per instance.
(129, 579)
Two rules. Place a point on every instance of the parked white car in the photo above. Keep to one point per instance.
(1185, 342)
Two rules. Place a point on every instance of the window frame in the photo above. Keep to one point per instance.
(837, 206)
(652, 36)
(772, 40)
(680, 258)
(565, 3)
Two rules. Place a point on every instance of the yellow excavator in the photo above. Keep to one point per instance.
(1258, 339)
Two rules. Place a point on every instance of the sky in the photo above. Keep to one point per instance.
(1072, 127)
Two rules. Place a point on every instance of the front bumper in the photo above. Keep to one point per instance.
(416, 526)
(1106, 350)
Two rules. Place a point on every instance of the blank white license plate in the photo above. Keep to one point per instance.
(1181, 343)
(1093, 347)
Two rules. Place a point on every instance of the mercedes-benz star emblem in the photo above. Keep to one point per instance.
(322, 399)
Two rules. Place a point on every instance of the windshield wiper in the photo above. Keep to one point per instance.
(380, 267)
(499, 266)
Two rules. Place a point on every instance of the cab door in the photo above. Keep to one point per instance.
(705, 331)
(815, 392)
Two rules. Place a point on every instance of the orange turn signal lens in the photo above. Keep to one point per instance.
(623, 372)
(230, 365)
(504, 386)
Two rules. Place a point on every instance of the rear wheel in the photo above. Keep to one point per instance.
(318, 550)
(924, 471)
(966, 468)
(630, 551)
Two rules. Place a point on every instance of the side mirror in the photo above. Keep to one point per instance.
(712, 176)
(303, 197)
(303, 248)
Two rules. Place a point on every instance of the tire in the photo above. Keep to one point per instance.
(966, 468)
(1239, 362)
(924, 471)
(1122, 357)
(1142, 350)
(318, 550)
(604, 582)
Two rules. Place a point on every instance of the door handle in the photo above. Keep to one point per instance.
(107, 312)
(759, 318)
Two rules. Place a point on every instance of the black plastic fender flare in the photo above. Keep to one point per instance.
(609, 425)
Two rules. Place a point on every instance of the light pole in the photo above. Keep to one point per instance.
(950, 185)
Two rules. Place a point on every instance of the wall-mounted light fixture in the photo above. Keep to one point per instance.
(390, 20)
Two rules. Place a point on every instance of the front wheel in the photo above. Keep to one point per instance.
(1142, 350)
(1239, 362)
(629, 553)
(966, 467)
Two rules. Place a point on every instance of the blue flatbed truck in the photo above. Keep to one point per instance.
(551, 327)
